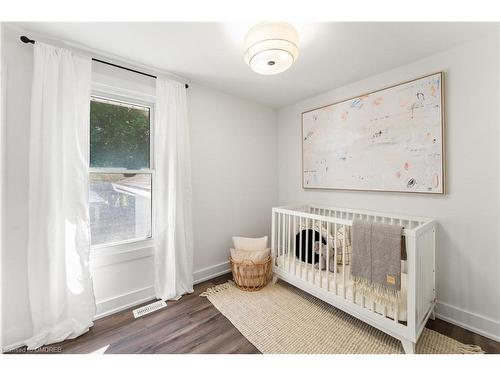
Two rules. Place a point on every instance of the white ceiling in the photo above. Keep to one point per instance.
(331, 54)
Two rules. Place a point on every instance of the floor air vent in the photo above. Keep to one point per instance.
(144, 310)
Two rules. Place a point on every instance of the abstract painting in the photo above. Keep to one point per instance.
(386, 140)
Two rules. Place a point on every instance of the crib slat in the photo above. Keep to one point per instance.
(327, 272)
(289, 238)
(278, 250)
(280, 236)
(329, 240)
(282, 223)
(300, 247)
(335, 257)
(313, 226)
(343, 260)
(294, 245)
(283, 240)
(283, 243)
(273, 238)
(319, 264)
(307, 247)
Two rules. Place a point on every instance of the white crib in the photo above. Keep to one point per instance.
(407, 318)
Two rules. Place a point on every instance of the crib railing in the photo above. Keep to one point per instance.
(408, 222)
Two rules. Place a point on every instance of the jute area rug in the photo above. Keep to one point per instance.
(281, 319)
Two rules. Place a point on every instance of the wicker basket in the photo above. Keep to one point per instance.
(251, 276)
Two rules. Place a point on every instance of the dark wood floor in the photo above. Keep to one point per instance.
(194, 325)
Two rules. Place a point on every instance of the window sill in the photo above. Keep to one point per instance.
(105, 255)
(122, 244)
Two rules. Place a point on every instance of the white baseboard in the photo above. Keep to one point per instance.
(210, 272)
(124, 301)
(471, 321)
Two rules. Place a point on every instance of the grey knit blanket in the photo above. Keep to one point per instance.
(376, 260)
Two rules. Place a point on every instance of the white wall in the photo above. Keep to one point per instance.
(15, 304)
(234, 164)
(2, 157)
(468, 256)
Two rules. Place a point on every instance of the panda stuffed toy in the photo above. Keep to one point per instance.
(307, 238)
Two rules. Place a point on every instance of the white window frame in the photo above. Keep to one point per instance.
(131, 99)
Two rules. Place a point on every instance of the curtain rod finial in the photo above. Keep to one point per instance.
(25, 39)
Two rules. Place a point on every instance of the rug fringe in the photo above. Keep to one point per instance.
(470, 349)
(216, 289)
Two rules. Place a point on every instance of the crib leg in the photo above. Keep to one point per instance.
(275, 279)
(433, 314)
(408, 346)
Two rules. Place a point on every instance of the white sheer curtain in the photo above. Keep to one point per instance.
(172, 193)
(60, 285)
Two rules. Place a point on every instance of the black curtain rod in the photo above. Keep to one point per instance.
(25, 39)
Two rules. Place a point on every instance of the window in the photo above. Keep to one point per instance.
(121, 174)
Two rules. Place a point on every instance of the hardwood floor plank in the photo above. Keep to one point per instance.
(465, 336)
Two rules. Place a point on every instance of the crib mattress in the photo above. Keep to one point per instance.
(305, 271)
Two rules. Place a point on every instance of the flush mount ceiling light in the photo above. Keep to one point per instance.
(271, 47)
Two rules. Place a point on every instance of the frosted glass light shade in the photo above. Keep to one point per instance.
(271, 47)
